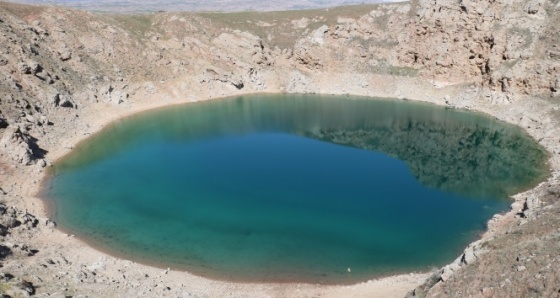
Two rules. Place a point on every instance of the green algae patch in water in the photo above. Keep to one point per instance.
(293, 188)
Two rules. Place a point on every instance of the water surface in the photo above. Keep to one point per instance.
(293, 187)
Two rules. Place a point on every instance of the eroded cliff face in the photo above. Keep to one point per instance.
(62, 72)
(507, 46)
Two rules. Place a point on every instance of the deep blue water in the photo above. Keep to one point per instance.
(293, 187)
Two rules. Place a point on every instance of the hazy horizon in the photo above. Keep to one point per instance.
(195, 5)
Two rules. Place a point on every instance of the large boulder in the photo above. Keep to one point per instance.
(109, 94)
(19, 146)
(65, 101)
(220, 75)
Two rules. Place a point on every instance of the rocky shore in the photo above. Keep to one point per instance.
(65, 74)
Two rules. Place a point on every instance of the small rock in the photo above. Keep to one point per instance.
(4, 252)
(555, 86)
(10, 222)
(3, 230)
(505, 283)
(50, 224)
(27, 287)
(469, 256)
(24, 68)
(42, 163)
(64, 101)
(554, 55)
(533, 7)
(35, 67)
(65, 54)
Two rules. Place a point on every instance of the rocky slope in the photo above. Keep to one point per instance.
(66, 73)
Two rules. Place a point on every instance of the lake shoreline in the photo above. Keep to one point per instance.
(355, 109)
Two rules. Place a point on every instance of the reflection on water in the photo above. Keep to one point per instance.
(475, 159)
(456, 151)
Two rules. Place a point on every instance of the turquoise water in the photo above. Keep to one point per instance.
(293, 187)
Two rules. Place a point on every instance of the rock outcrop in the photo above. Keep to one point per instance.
(219, 75)
(19, 146)
(499, 44)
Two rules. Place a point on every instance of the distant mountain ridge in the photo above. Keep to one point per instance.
(128, 6)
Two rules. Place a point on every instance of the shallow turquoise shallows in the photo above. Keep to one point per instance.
(302, 188)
